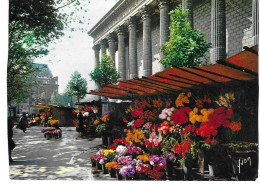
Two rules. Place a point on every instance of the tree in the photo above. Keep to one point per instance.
(105, 73)
(33, 24)
(57, 99)
(77, 86)
(186, 45)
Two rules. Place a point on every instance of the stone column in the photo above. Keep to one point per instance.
(132, 48)
(218, 30)
(103, 46)
(96, 49)
(164, 24)
(255, 19)
(147, 40)
(187, 4)
(121, 32)
(112, 46)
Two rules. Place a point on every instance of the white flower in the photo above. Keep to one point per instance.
(86, 114)
(130, 124)
(122, 150)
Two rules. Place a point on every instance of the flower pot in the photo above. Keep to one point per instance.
(109, 140)
(60, 134)
(104, 140)
(118, 176)
(169, 168)
(98, 166)
(187, 172)
(93, 163)
(112, 173)
(104, 169)
(48, 136)
(201, 159)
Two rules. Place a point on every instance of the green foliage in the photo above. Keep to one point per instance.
(105, 73)
(101, 128)
(77, 86)
(186, 45)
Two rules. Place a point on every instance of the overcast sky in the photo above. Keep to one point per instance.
(75, 53)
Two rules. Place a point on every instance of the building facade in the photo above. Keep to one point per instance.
(133, 30)
(47, 85)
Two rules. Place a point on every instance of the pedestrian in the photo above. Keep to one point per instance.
(23, 122)
(80, 119)
(11, 144)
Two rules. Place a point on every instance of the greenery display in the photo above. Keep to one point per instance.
(77, 86)
(186, 45)
(105, 73)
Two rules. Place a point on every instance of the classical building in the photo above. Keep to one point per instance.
(41, 93)
(133, 30)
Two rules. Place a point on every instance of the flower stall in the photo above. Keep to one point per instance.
(187, 124)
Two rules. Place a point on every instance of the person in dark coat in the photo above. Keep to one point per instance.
(23, 122)
(80, 119)
(11, 144)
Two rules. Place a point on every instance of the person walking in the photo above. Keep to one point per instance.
(80, 119)
(23, 122)
(11, 144)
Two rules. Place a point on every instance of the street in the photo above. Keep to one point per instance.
(36, 158)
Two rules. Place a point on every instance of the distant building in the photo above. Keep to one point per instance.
(41, 93)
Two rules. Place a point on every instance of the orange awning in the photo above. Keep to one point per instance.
(238, 68)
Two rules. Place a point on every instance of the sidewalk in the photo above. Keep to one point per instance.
(36, 158)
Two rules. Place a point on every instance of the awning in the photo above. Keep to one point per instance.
(241, 67)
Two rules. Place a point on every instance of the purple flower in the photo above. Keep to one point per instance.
(127, 171)
(133, 149)
(123, 160)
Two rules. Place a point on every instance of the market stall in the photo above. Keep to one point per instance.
(185, 123)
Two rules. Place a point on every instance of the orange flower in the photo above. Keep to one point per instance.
(52, 122)
(144, 158)
(182, 98)
(96, 122)
(110, 165)
(235, 126)
(105, 118)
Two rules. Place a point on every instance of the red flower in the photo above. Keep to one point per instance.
(177, 148)
(137, 112)
(125, 120)
(138, 123)
(181, 116)
(199, 103)
(214, 142)
(75, 123)
(156, 173)
(113, 147)
(207, 141)
(87, 109)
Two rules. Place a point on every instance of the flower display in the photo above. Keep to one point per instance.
(160, 132)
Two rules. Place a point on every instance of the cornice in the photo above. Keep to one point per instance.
(111, 20)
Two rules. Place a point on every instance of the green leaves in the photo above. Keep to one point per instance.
(105, 73)
(77, 86)
(186, 45)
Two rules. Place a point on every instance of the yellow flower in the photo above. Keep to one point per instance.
(109, 151)
(144, 158)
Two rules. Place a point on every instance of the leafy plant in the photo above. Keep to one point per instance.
(101, 128)
(105, 73)
(186, 45)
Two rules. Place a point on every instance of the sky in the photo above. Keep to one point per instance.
(76, 53)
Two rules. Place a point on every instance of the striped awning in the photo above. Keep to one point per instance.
(241, 67)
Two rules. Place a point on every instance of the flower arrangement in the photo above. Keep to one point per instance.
(53, 122)
(127, 171)
(121, 150)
